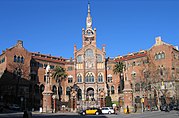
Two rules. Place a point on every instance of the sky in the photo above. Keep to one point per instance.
(54, 26)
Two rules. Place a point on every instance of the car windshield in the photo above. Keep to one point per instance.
(111, 108)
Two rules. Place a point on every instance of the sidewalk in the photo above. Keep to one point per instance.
(59, 112)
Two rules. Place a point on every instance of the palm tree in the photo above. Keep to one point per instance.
(59, 73)
(118, 69)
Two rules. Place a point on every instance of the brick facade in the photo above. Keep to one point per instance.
(91, 71)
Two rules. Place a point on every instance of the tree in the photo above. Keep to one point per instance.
(118, 69)
(59, 73)
(108, 101)
(153, 74)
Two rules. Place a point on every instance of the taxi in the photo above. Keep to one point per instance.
(91, 111)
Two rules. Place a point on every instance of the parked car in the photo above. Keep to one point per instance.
(154, 108)
(90, 111)
(107, 110)
(176, 107)
(163, 107)
(14, 107)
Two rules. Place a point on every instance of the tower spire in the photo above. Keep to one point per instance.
(88, 9)
(89, 19)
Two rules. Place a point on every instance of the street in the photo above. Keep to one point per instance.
(154, 114)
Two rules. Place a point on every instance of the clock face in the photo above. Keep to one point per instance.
(89, 32)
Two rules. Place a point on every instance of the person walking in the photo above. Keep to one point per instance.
(25, 115)
(127, 109)
(135, 108)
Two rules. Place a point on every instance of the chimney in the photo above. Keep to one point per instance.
(75, 48)
(3, 51)
(20, 43)
(103, 48)
(158, 40)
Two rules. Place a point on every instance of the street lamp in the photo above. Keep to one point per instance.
(18, 75)
(22, 99)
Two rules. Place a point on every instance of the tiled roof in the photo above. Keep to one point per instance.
(132, 56)
(48, 58)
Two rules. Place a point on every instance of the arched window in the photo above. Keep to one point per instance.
(159, 56)
(137, 87)
(15, 58)
(68, 91)
(60, 91)
(54, 89)
(109, 78)
(22, 59)
(137, 99)
(70, 79)
(163, 55)
(89, 53)
(79, 94)
(161, 71)
(112, 89)
(42, 87)
(143, 86)
(89, 77)
(79, 78)
(119, 89)
(99, 58)
(79, 58)
(18, 59)
(100, 77)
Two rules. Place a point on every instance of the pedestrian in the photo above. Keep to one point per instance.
(135, 108)
(127, 109)
(115, 110)
(25, 115)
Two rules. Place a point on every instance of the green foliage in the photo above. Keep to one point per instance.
(118, 68)
(59, 73)
(108, 101)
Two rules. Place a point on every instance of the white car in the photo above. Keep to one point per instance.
(14, 107)
(107, 110)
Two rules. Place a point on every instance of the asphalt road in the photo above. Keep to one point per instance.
(154, 114)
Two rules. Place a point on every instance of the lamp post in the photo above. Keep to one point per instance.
(1, 98)
(163, 89)
(22, 99)
(54, 103)
(18, 75)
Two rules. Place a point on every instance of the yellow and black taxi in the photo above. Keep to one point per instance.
(91, 111)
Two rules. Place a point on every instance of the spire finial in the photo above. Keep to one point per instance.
(88, 8)
(89, 19)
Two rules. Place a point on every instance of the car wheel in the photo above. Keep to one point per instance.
(109, 112)
(83, 113)
(97, 113)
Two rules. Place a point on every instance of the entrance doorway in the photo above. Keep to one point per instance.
(90, 94)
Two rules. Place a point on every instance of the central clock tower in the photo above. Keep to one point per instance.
(89, 35)
(89, 63)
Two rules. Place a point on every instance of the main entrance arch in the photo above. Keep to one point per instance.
(90, 94)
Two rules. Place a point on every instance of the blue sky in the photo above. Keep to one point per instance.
(54, 26)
